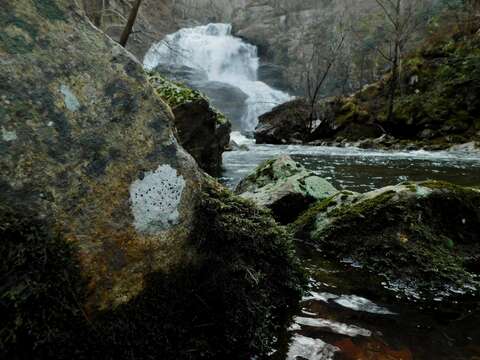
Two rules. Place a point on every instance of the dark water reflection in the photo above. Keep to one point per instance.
(370, 323)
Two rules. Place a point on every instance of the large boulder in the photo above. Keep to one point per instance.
(424, 238)
(335, 118)
(202, 130)
(113, 243)
(284, 186)
(285, 124)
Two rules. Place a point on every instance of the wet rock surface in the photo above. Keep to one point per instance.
(422, 235)
(285, 187)
(114, 243)
(285, 124)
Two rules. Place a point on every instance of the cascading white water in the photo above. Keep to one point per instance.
(224, 58)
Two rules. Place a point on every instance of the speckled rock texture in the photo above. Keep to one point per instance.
(421, 238)
(285, 187)
(80, 126)
(106, 222)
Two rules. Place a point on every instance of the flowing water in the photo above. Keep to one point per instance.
(344, 316)
(357, 169)
(210, 59)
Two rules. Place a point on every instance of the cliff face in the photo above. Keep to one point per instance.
(287, 32)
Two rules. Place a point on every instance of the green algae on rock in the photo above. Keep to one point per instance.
(202, 130)
(426, 234)
(285, 187)
(92, 267)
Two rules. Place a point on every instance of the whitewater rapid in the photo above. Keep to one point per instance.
(213, 50)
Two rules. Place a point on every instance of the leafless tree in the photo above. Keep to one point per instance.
(317, 70)
(400, 22)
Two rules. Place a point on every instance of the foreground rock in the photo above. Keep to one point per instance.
(285, 187)
(202, 130)
(423, 237)
(114, 245)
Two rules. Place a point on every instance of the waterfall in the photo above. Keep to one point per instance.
(210, 54)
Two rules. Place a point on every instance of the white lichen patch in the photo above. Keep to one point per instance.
(155, 199)
(8, 135)
(71, 101)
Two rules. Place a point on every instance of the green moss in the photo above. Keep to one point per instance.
(363, 207)
(307, 219)
(17, 35)
(410, 234)
(447, 186)
(255, 259)
(348, 112)
(173, 93)
(41, 292)
(176, 94)
(221, 118)
(437, 90)
(412, 187)
(414, 64)
(49, 10)
(231, 302)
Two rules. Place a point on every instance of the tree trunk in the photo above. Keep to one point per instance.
(393, 85)
(395, 59)
(131, 21)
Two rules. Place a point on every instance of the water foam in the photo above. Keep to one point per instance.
(213, 50)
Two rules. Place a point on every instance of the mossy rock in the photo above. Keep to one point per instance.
(202, 130)
(176, 94)
(231, 302)
(200, 133)
(424, 234)
(285, 187)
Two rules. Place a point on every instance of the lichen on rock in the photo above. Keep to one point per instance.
(155, 199)
(71, 101)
